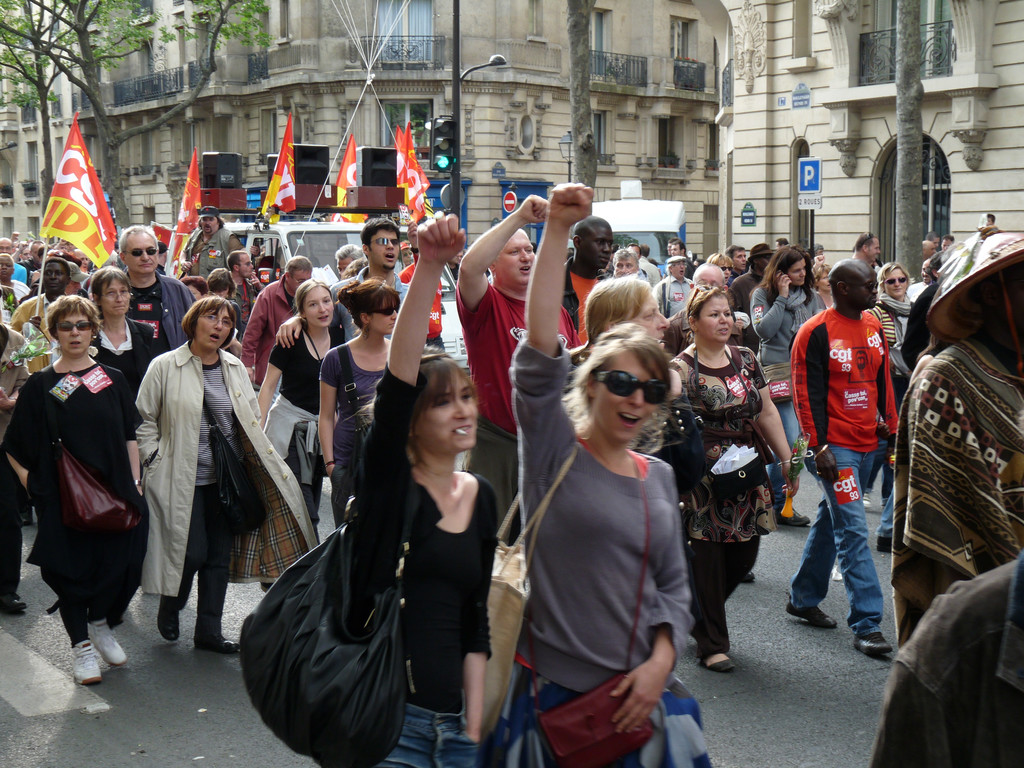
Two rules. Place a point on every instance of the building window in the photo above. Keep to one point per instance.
(146, 149)
(32, 162)
(398, 18)
(534, 17)
(667, 155)
(284, 11)
(802, 29)
(402, 113)
(526, 132)
(936, 196)
(600, 30)
(680, 35)
(33, 224)
(268, 132)
(600, 133)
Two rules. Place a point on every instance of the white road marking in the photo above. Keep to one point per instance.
(33, 686)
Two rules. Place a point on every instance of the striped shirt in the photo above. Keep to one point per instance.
(218, 400)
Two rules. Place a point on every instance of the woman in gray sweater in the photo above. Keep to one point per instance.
(609, 587)
(784, 301)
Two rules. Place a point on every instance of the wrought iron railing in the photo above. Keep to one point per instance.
(80, 102)
(6, 191)
(409, 52)
(30, 188)
(29, 115)
(195, 71)
(727, 85)
(878, 53)
(605, 159)
(258, 67)
(619, 68)
(154, 86)
(689, 75)
(302, 55)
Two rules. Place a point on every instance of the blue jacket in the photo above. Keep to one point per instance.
(177, 298)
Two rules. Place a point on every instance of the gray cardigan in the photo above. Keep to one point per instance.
(777, 323)
(587, 562)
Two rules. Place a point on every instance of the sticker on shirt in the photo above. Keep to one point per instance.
(855, 399)
(846, 487)
(213, 253)
(758, 312)
(735, 386)
(62, 389)
(145, 307)
(96, 380)
(779, 389)
(154, 324)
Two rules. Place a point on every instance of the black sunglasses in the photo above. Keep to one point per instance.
(625, 384)
(67, 326)
(384, 311)
(137, 252)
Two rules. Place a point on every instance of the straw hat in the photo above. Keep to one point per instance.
(955, 314)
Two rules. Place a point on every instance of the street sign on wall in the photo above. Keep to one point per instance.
(808, 183)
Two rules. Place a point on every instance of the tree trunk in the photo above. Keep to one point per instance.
(909, 230)
(585, 153)
(46, 172)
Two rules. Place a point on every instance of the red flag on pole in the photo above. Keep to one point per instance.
(188, 215)
(346, 179)
(77, 211)
(281, 192)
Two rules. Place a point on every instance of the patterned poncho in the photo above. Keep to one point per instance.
(959, 508)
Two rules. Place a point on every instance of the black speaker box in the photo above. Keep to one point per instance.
(376, 167)
(222, 170)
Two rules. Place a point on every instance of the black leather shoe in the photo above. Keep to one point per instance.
(884, 544)
(11, 603)
(872, 644)
(167, 623)
(215, 643)
(797, 520)
(813, 616)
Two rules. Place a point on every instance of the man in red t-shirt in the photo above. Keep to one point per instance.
(493, 318)
(843, 396)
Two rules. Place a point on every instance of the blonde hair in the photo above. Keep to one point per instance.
(887, 269)
(720, 260)
(625, 337)
(612, 302)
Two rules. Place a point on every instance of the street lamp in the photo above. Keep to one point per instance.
(565, 147)
(496, 60)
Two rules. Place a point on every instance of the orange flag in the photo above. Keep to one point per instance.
(281, 192)
(419, 183)
(188, 215)
(346, 179)
(77, 211)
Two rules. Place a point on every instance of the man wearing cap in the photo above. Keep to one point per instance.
(673, 291)
(959, 492)
(208, 246)
(744, 285)
(842, 392)
(56, 277)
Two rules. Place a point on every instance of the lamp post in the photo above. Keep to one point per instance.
(566, 148)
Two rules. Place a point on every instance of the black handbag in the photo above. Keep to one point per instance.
(683, 445)
(240, 502)
(323, 690)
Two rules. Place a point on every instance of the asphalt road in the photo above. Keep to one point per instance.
(799, 696)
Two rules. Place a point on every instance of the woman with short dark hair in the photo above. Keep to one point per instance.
(185, 393)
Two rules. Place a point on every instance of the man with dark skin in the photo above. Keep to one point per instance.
(54, 282)
(744, 285)
(593, 244)
(842, 391)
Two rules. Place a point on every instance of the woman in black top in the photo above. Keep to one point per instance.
(95, 574)
(291, 423)
(425, 415)
(121, 343)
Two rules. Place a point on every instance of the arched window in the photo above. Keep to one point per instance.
(935, 196)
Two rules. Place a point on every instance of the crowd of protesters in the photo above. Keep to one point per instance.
(921, 383)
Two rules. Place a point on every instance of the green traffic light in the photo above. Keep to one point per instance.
(443, 162)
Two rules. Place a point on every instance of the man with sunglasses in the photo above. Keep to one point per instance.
(157, 300)
(842, 391)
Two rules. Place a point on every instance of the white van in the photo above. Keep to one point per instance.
(318, 241)
(635, 220)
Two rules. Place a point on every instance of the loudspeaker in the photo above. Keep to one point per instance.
(222, 170)
(271, 165)
(376, 167)
(312, 164)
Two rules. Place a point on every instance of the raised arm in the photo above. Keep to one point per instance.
(568, 204)
(440, 240)
(487, 248)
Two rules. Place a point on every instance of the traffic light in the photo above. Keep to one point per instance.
(444, 144)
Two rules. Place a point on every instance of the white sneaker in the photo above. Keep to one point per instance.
(87, 666)
(836, 575)
(103, 640)
(867, 499)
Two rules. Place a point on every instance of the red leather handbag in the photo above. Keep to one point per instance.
(580, 731)
(87, 502)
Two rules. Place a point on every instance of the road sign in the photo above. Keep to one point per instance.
(808, 202)
(748, 216)
(808, 181)
(508, 202)
(446, 196)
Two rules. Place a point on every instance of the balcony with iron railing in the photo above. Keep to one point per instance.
(618, 68)
(30, 188)
(878, 53)
(409, 52)
(689, 75)
(6, 191)
(154, 86)
(258, 70)
(726, 91)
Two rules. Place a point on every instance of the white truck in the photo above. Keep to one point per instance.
(634, 219)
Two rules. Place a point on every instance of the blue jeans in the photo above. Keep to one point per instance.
(842, 529)
(884, 528)
(431, 740)
(791, 425)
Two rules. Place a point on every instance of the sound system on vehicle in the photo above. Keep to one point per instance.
(312, 164)
(222, 170)
(376, 167)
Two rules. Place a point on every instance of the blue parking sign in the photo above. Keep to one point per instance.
(809, 176)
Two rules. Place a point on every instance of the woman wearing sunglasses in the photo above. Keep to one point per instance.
(94, 574)
(348, 379)
(892, 311)
(609, 587)
(728, 390)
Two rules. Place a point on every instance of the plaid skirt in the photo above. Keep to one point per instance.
(518, 742)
